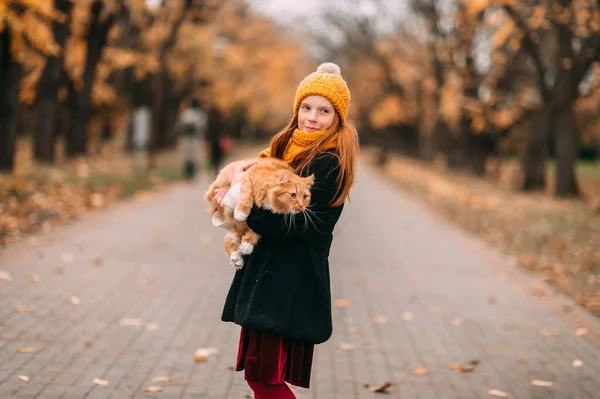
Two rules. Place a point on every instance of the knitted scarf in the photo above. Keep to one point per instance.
(299, 141)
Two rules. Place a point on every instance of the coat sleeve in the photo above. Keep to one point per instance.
(322, 217)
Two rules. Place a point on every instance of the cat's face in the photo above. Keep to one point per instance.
(292, 194)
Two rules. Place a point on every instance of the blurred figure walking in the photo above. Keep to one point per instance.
(193, 127)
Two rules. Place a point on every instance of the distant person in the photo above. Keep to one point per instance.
(141, 135)
(215, 140)
(282, 296)
(193, 127)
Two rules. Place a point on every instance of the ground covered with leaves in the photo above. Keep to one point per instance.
(556, 239)
(37, 198)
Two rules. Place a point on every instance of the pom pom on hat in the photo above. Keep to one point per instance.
(327, 82)
(329, 67)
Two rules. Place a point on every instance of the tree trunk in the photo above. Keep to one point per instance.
(9, 82)
(536, 151)
(565, 183)
(82, 107)
(48, 86)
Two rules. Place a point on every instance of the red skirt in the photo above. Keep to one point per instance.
(271, 359)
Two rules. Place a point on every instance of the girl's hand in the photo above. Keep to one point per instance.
(219, 195)
(241, 171)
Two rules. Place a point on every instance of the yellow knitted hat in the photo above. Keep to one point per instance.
(326, 81)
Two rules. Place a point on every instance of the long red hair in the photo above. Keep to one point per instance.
(347, 151)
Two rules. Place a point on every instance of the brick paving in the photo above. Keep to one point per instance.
(442, 293)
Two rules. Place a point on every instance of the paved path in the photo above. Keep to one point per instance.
(444, 298)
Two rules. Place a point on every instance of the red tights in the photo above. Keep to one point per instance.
(263, 391)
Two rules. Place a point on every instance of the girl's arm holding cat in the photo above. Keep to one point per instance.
(323, 217)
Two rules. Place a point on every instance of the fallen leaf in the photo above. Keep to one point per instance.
(75, 300)
(378, 388)
(60, 270)
(151, 326)
(97, 200)
(158, 380)
(202, 354)
(521, 359)
(369, 342)
(457, 321)
(407, 316)
(380, 319)
(340, 303)
(130, 322)
(5, 276)
(577, 363)
(154, 388)
(3, 323)
(581, 331)
(67, 258)
(89, 344)
(26, 349)
(24, 378)
(420, 371)
(36, 277)
(353, 329)
(498, 393)
(548, 332)
(465, 368)
(24, 308)
(541, 383)
(346, 347)
(97, 261)
(538, 291)
(99, 381)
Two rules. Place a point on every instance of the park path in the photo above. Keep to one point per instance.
(417, 295)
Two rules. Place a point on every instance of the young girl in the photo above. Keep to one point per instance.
(281, 297)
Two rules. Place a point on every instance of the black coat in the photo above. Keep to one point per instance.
(284, 285)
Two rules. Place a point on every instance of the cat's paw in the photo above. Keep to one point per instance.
(246, 248)
(236, 260)
(240, 216)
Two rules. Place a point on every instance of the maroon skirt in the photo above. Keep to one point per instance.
(271, 359)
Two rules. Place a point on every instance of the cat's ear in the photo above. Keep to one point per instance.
(284, 179)
(310, 180)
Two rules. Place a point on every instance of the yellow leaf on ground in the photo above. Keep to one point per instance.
(457, 321)
(158, 380)
(498, 393)
(420, 371)
(99, 381)
(521, 359)
(346, 346)
(75, 300)
(24, 378)
(541, 383)
(369, 342)
(26, 349)
(154, 388)
(340, 303)
(24, 308)
(353, 329)
(577, 363)
(5, 276)
(380, 319)
(581, 331)
(36, 277)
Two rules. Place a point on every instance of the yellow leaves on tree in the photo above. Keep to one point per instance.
(451, 101)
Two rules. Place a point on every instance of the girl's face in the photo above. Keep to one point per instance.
(315, 113)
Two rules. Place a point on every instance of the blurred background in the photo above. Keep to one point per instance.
(504, 92)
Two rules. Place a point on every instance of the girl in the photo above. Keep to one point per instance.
(281, 297)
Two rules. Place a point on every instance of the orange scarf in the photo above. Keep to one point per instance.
(299, 141)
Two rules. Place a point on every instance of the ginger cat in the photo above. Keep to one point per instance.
(270, 184)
